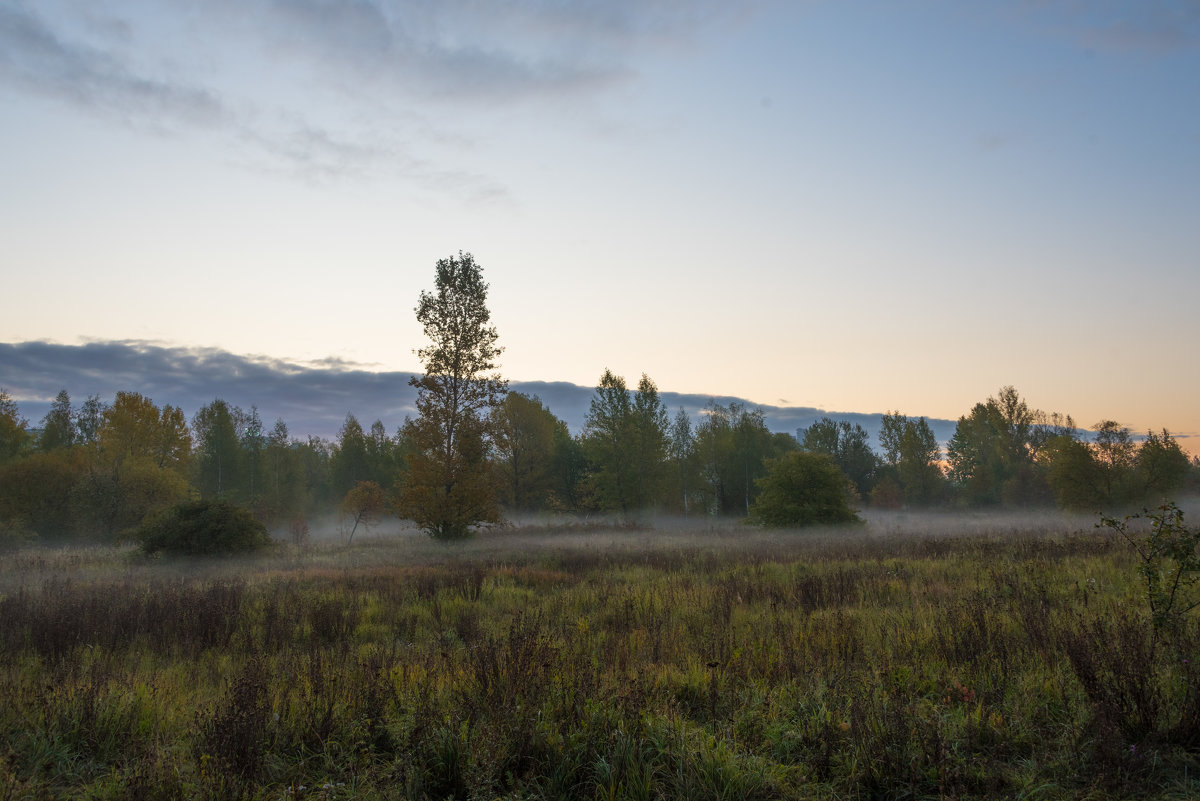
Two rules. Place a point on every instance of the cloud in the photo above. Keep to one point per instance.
(336, 88)
(92, 66)
(312, 398)
(1147, 26)
(490, 52)
(1154, 27)
(35, 58)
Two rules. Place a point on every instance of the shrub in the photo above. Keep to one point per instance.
(203, 527)
(1169, 556)
(802, 489)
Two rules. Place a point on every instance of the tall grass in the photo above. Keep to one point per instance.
(632, 664)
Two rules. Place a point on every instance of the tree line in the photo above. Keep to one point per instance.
(100, 468)
(476, 452)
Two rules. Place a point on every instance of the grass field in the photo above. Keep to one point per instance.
(938, 657)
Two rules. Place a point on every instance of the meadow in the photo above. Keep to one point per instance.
(936, 657)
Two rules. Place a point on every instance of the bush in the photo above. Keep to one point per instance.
(802, 489)
(203, 527)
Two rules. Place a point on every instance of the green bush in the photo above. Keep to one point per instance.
(203, 527)
(802, 489)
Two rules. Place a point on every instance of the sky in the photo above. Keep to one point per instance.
(854, 206)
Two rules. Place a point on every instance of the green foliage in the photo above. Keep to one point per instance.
(649, 441)
(1074, 475)
(205, 527)
(849, 447)
(683, 477)
(912, 453)
(802, 489)
(12, 428)
(1115, 452)
(991, 455)
(1168, 562)
(1137, 667)
(1113, 471)
(625, 442)
(731, 447)
(252, 443)
(219, 453)
(88, 421)
(385, 456)
(36, 490)
(58, 426)
(348, 464)
(525, 436)
(1162, 465)
(568, 472)
(133, 427)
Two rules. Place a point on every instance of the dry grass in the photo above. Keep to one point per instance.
(903, 659)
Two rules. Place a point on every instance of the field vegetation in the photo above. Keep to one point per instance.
(911, 657)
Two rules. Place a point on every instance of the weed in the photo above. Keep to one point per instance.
(1169, 562)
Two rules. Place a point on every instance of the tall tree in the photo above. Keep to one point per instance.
(312, 460)
(58, 426)
(849, 447)
(133, 427)
(524, 449)
(282, 486)
(712, 449)
(1115, 452)
(992, 455)
(913, 455)
(253, 442)
(732, 446)
(568, 472)
(1073, 473)
(130, 428)
(173, 447)
(625, 439)
(136, 465)
(385, 457)
(89, 419)
(12, 428)
(648, 421)
(1162, 465)
(606, 435)
(349, 461)
(681, 447)
(752, 447)
(449, 489)
(219, 456)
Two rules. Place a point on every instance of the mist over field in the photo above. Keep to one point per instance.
(533, 536)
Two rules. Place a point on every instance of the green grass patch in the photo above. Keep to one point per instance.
(634, 664)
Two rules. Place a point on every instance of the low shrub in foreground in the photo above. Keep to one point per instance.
(203, 528)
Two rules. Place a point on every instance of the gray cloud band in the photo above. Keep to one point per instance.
(311, 399)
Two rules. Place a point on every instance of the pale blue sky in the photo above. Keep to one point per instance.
(856, 206)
